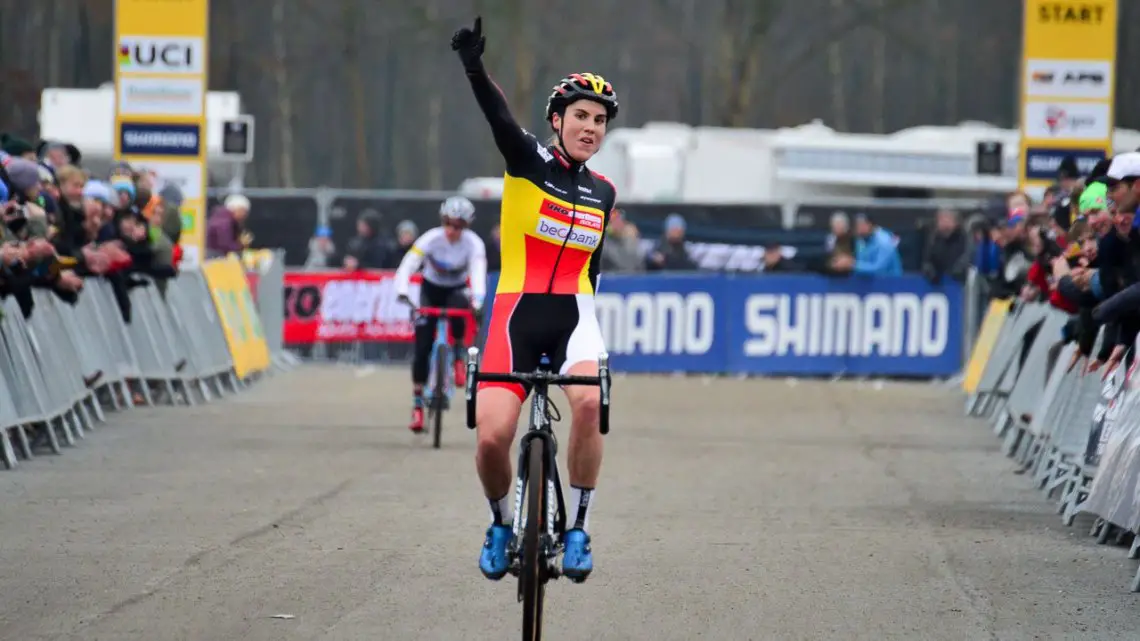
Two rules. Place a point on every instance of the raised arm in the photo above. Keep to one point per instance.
(516, 146)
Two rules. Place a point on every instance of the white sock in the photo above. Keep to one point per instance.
(581, 502)
(503, 510)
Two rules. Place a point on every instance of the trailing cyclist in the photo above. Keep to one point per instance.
(449, 254)
(553, 217)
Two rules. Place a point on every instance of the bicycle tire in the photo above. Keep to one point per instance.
(533, 574)
(437, 396)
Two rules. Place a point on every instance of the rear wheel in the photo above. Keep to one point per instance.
(437, 399)
(533, 570)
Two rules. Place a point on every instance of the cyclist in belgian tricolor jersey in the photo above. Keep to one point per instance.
(552, 224)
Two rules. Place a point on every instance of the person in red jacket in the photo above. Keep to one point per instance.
(1041, 283)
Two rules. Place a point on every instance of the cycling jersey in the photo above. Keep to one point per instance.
(553, 213)
(552, 224)
(446, 264)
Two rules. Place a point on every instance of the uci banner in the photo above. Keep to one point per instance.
(229, 290)
(802, 325)
(1068, 74)
(161, 62)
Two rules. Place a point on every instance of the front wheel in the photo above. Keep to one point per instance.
(533, 566)
(437, 400)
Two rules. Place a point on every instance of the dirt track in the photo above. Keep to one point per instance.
(728, 510)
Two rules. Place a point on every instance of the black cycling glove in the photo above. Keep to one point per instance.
(469, 43)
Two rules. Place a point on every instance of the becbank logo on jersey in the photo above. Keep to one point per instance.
(145, 139)
(1068, 78)
(557, 232)
(889, 325)
(657, 323)
(160, 55)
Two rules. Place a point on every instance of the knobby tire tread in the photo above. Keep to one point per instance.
(437, 397)
(533, 563)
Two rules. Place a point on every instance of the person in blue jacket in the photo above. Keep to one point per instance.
(876, 249)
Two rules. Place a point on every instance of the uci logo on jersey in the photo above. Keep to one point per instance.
(1074, 13)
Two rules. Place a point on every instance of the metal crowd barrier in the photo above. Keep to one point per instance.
(1074, 433)
(63, 367)
(271, 308)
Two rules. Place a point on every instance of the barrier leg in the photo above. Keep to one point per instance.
(6, 450)
(1106, 530)
(1136, 581)
(96, 409)
(85, 421)
(24, 442)
(73, 426)
(65, 428)
(48, 433)
(1134, 551)
(232, 378)
(204, 389)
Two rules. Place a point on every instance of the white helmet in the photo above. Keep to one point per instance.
(459, 208)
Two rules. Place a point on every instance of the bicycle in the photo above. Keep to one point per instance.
(441, 377)
(533, 556)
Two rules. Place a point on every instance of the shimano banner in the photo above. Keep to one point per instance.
(781, 325)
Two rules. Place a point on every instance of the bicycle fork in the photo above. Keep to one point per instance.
(555, 517)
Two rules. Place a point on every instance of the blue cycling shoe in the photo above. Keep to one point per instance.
(493, 559)
(578, 559)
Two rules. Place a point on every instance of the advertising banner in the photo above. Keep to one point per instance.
(345, 307)
(161, 59)
(1068, 72)
(781, 325)
(245, 338)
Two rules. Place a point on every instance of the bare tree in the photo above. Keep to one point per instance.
(353, 16)
(284, 95)
(835, 68)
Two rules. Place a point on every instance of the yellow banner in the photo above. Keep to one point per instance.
(161, 59)
(242, 326)
(984, 345)
(1068, 69)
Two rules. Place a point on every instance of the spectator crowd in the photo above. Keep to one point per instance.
(63, 226)
(1078, 250)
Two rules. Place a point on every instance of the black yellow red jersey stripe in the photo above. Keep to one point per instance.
(554, 212)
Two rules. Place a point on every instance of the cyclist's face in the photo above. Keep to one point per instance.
(583, 127)
(453, 229)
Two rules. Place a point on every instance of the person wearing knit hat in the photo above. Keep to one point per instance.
(17, 147)
(170, 219)
(1094, 199)
(24, 178)
(124, 187)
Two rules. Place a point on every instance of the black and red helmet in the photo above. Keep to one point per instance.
(582, 86)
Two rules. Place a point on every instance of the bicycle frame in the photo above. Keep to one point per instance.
(442, 340)
(555, 520)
